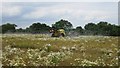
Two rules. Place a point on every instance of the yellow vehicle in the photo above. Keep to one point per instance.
(58, 32)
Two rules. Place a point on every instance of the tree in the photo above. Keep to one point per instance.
(62, 24)
(90, 28)
(39, 28)
(66, 25)
(114, 30)
(104, 28)
(118, 28)
(8, 28)
(20, 30)
(79, 29)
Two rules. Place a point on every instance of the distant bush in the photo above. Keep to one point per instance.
(101, 28)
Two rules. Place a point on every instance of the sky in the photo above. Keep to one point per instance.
(24, 14)
(59, 0)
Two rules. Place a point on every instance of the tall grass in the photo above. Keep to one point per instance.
(76, 51)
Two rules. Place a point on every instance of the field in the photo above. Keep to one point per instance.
(43, 50)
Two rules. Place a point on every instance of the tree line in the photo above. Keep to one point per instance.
(101, 28)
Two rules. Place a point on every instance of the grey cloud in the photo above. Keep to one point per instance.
(74, 12)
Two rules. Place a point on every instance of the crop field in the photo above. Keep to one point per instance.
(43, 50)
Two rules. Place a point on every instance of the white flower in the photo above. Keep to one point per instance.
(48, 44)
(73, 48)
(64, 48)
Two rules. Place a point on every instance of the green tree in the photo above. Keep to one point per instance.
(114, 30)
(118, 30)
(8, 28)
(90, 28)
(66, 25)
(102, 27)
(106, 28)
(79, 29)
(20, 30)
(62, 24)
(39, 28)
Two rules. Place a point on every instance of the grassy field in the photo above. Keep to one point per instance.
(43, 50)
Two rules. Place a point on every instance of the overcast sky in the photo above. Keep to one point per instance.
(24, 14)
(59, 0)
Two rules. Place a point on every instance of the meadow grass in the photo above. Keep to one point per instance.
(63, 51)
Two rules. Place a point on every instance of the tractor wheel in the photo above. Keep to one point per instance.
(52, 35)
(62, 35)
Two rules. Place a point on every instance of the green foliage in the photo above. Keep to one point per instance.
(90, 26)
(66, 25)
(8, 27)
(38, 28)
(114, 30)
(101, 28)
(79, 29)
(62, 24)
(20, 30)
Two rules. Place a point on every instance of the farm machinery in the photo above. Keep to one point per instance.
(57, 32)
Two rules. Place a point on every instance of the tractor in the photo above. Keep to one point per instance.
(57, 32)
